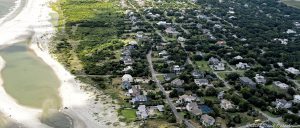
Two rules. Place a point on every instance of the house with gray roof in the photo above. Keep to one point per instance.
(142, 112)
(242, 66)
(282, 103)
(126, 85)
(197, 74)
(170, 31)
(177, 82)
(259, 79)
(207, 120)
(246, 81)
(140, 99)
(193, 108)
(201, 82)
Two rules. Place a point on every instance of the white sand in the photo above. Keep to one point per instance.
(82, 108)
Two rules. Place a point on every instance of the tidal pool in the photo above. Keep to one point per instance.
(29, 80)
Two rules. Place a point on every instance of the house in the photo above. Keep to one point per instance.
(180, 90)
(193, 108)
(238, 57)
(221, 43)
(140, 99)
(296, 99)
(142, 112)
(181, 39)
(169, 76)
(292, 70)
(127, 69)
(247, 82)
(126, 52)
(160, 108)
(127, 60)
(197, 74)
(177, 82)
(163, 23)
(170, 31)
(221, 95)
(127, 77)
(207, 120)
(242, 66)
(281, 85)
(165, 57)
(198, 53)
(213, 61)
(133, 42)
(280, 64)
(201, 82)
(219, 67)
(176, 69)
(282, 103)
(126, 85)
(134, 91)
(260, 79)
(139, 35)
(186, 99)
(226, 105)
(290, 31)
(163, 53)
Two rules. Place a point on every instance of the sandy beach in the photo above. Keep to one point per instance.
(78, 100)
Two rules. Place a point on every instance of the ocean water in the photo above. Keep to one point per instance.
(5, 6)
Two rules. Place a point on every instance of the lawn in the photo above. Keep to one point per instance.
(273, 88)
(158, 123)
(203, 65)
(212, 98)
(223, 74)
(128, 114)
(161, 78)
(245, 119)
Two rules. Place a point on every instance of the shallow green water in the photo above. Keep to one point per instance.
(28, 79)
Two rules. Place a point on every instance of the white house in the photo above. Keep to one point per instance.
(201, 82)
(238, 57)
(186, 99)
(225, 104)
(293, 70)
(127, 77)
(260, 79)
(280, 85)
(219, 67)
(296, 99)
(241, 65)
(193, 108)
(207, 120)
(282, 103)
(142, 112)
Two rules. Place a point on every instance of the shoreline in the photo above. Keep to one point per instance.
(79, 104)
(13, 11)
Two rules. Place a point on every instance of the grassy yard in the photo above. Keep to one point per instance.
(212, 98)
(223, 74)
(160, 78)
(156, 123)
(203, 65)
(273, 88)
(128, 114)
